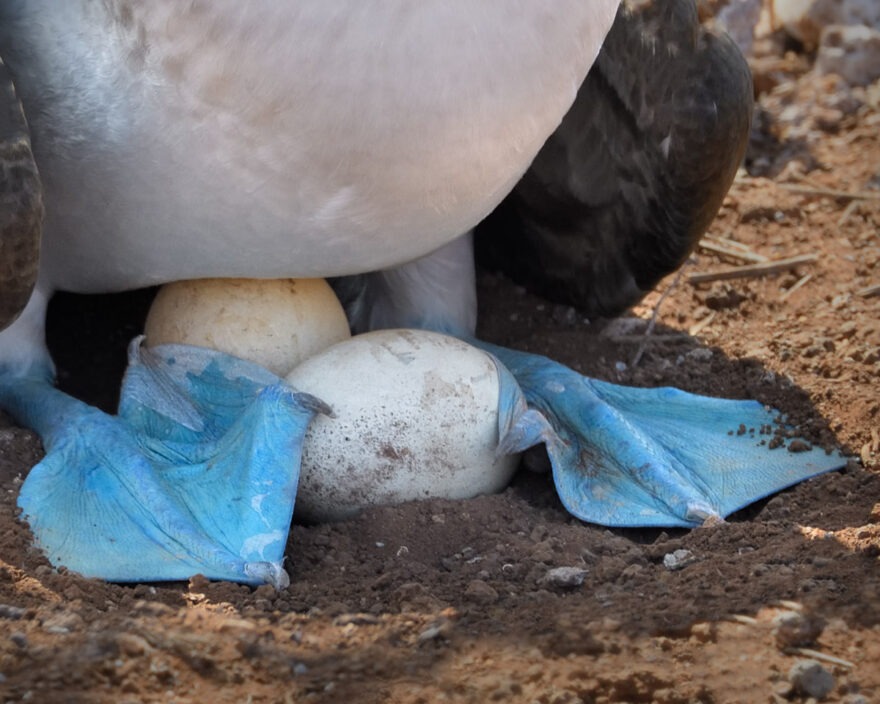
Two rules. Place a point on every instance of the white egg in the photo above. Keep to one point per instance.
(416, 416)
(276, 323)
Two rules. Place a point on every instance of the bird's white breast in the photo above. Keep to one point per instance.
(275, 139)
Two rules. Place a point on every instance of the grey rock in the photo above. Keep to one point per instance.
(809, 678)
(12, 613)
(564, 577)
(793, 629)
(678, 560)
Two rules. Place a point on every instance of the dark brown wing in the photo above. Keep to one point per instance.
(624, 189)
(21, 206)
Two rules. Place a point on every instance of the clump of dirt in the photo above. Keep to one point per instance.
(466, 600)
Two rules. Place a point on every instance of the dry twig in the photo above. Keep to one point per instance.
(637, 357)
(697, 327)
(811, 190)
(810, 653)
(633, 339)
(829, 192)
(745, 620)
(753, 270)
(727, 248)
(868, 291)
(800, 282)
(851, 207)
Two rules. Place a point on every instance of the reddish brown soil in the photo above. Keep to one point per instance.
(447, 601)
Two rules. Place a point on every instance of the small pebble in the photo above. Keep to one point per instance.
(481, 592)
(678, 560)
(63, 623)
(437, 630)
(12, 613)
(798, 445)
(701, 354)
(133, 645)
(199, 583)
(792, 629)
(809, 678)
(357, 619)
(565, 315)
(564, 577)
(232, 625)
(704, 632)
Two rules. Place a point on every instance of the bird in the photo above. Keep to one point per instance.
(586, 146)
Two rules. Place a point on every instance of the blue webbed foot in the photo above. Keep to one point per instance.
(626, 456)
(197, 473)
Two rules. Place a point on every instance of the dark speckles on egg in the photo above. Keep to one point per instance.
(416, 417)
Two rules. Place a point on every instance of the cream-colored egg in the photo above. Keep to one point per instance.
(416, 416)
(276, 323)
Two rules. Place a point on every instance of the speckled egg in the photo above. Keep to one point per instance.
(416, 416)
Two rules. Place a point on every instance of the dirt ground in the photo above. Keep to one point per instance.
(454, 601)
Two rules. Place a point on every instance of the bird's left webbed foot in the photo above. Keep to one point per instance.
(625, 456)
(197, 474)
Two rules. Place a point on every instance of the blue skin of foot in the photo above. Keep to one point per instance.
(198, 472)
(196, 475)
(625, 456)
